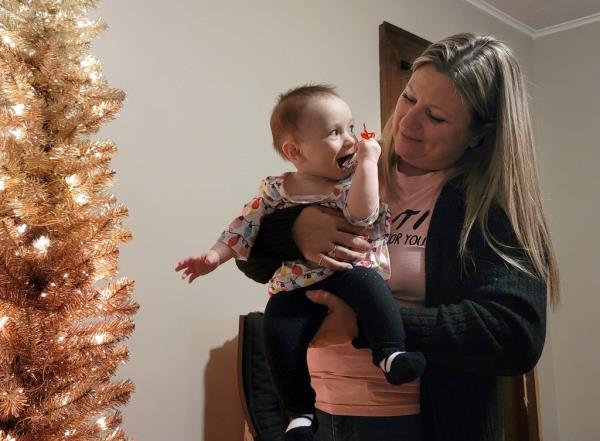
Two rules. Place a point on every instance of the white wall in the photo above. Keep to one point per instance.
(567, 69)
(201, 78)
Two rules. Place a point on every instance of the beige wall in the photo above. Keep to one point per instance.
(567, 70)
(201, 78)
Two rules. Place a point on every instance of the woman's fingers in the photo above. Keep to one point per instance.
(352, 242)
(333, 264)
(343, 254)
(339, 325)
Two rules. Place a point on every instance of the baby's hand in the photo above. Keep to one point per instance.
(198, 266)
(367, 150)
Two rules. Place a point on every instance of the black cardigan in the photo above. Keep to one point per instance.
(481, 320)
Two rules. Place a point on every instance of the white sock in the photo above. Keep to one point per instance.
(300, 421)
(386, 363)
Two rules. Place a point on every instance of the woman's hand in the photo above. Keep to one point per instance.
(326, 238)
(339, 325)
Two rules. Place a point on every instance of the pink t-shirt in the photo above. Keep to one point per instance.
(345, 379)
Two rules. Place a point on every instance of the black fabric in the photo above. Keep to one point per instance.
(265, 412)
(482, 320)
(291, 321)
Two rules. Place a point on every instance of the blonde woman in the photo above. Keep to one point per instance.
(471, 256)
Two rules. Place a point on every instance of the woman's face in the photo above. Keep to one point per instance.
(431, 124)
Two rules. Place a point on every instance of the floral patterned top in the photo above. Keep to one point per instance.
(241, 233)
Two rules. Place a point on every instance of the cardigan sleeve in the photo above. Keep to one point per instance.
(499, 325)
(274, 244)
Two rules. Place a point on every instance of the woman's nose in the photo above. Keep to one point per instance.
(411, 120)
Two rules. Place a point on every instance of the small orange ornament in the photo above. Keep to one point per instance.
(365, 134)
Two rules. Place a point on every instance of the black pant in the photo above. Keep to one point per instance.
(291, 321)
(365, 428)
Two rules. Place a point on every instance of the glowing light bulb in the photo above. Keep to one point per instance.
(99, 110)
(102, 423)
(2, 184)
(18, 109)
(88, 61)
(17, 133)
(8, 41)
(100, 338)
(81, 198)
(41, 244)
(22, 228)
(73, 180)
(3, 321)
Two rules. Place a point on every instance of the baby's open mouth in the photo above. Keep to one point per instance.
(347, 161)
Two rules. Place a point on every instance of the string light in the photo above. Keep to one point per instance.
(73, 180)
(18, 109)
(41, 244)
(88, 61)
(3, 321)
(99, 110)
(81, 198)
(100, 338)
(17, 133)
(102, 423)
(22, 228)
(8, 41)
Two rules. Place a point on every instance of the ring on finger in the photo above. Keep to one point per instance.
(331, 252)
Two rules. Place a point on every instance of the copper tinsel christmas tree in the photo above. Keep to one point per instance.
(63, 312)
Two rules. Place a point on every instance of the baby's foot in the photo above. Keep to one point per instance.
(302, 428)
(402, 367)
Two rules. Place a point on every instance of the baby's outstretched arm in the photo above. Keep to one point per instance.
(363, 196)
(205, 263)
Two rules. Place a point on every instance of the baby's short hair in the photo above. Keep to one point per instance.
(287, 111)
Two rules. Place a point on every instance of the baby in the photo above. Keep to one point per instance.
(312, 127)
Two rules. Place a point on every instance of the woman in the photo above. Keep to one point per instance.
(472, 261)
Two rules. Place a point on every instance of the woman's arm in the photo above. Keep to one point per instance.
(312, 229)
(499, 327)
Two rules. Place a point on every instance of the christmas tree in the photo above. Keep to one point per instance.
(64, 313)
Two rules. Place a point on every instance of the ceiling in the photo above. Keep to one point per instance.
(542, 17)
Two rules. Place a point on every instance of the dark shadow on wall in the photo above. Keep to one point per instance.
(223, 417)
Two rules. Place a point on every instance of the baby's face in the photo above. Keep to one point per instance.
(326, 138)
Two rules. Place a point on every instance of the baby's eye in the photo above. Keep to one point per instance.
(334, 132)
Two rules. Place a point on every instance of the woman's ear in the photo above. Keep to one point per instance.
(478, 139)
(292, 152)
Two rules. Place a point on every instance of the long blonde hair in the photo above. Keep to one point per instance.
(502, 170)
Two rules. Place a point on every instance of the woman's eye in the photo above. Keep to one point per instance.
(407, 98)
(436, 120)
